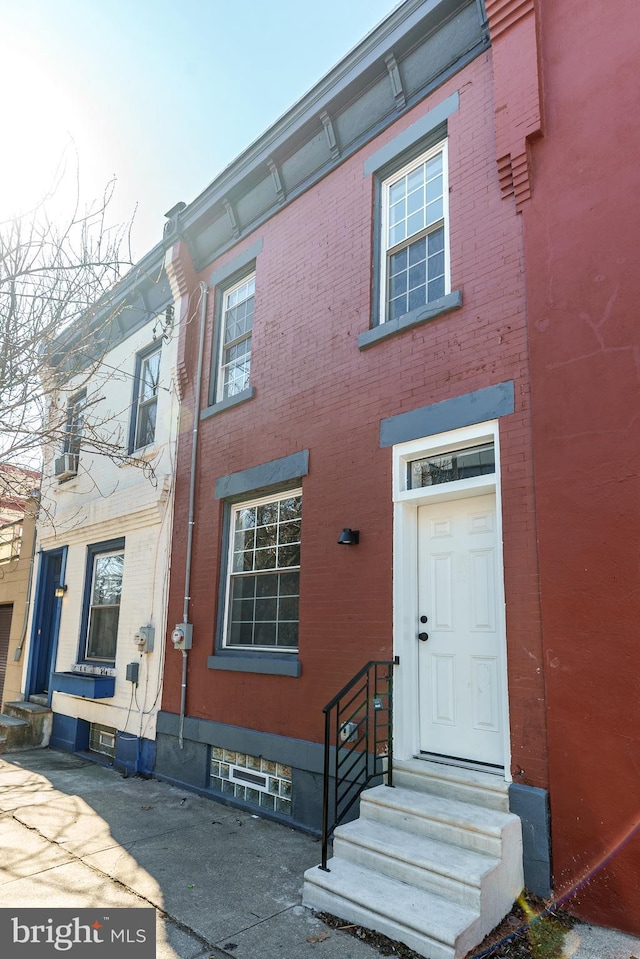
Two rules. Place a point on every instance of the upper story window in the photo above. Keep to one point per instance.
(106, 570)
(75, 421)
(145, 405)
(66, 466)
(235, 344)
(414, 240)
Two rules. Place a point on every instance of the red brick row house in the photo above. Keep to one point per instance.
(406, 322)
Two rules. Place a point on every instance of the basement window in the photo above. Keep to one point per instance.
(451, 467)
(102, 739)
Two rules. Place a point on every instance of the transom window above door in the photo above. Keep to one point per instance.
(451, 467)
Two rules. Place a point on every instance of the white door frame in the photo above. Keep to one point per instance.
(405, 571)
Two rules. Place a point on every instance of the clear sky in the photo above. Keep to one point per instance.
(161, 94)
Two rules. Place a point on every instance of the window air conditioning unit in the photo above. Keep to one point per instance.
(66, 466)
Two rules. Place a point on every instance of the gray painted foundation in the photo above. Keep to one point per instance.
(189, 767)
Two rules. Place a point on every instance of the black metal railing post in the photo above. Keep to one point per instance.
(356, 744)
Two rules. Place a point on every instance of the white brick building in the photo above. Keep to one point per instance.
(97, 631)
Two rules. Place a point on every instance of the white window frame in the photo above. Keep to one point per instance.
(144, 404)
(386, 250)
(233, 511)
(223, 345)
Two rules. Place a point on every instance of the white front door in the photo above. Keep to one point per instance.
(459, 665)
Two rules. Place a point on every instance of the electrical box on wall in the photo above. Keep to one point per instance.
(182, 635)
(133, 671)
(144, 638)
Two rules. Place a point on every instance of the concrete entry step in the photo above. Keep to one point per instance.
(24, 725)
(454, 782)
(40, 699)
(435, 863)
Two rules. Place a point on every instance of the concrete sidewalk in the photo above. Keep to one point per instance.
(224, 883)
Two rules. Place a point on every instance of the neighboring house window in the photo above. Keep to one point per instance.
(263, 581)
(75, 422)
(102, 609)
(145, 405)
(235, 338)
(414, 241)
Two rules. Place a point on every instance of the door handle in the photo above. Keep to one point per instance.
(423, 637)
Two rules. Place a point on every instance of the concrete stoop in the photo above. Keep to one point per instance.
(24, 725)
(434, 862)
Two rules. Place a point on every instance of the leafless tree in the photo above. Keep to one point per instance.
(56, 278)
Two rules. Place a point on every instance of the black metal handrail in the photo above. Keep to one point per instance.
(358, 739)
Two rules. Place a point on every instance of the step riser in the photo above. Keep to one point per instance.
(323, 900)
(457, 835)
(450, 790)
(411, 873)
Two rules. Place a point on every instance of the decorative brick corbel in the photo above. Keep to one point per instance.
(517, 98)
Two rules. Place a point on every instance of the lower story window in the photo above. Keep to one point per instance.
(263, 583)
(103, 610)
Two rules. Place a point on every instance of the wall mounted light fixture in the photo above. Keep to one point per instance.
(60, 591)
(349, 537)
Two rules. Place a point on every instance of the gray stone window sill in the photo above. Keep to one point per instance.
(229, 403)
(268, 664)
(445, 304)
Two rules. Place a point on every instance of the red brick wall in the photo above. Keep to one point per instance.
(583, 286)
(315, 390)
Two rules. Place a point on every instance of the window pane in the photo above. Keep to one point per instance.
(449, 467)
(417, 298)
(266, 535)
(244, 587)
(434, 166)
(266, 558)
(288, 635)
(246, 518)
(266, 609)
(265, 634)
(435, 289)
(103, 632)
(149, 376)
(107, 580)
(415, 223)
(435, 211)
(288, 608)
(436, 241)
(267, 513)
(146, 429)
(418, 275)
(290, 508)
(267, 585)
(289, 584)
(415, 179)
(397, 191)
(289, 532)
